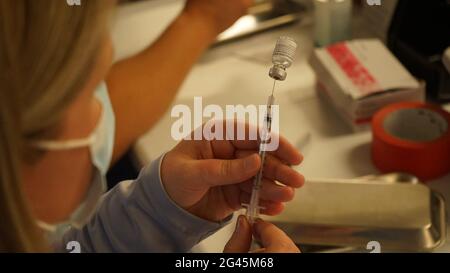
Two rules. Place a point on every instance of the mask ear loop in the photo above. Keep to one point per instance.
(60, 145)
(64, 145)
(46, 227)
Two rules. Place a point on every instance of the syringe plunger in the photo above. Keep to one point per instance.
(282, 57)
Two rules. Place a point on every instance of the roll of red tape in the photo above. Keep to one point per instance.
(412, 137)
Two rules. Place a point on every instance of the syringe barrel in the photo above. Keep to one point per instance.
(253, 207)
(267, 124)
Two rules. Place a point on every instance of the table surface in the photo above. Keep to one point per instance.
(236, 73)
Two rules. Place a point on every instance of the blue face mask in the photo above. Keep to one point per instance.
(100, 144)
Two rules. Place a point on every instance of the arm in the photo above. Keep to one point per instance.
(138, 216)
(143, 87)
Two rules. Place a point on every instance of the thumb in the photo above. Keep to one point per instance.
(241, 239)
(273, 239)
(218, 172)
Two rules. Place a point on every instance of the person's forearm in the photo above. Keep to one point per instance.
(139, 216)
(143, 87)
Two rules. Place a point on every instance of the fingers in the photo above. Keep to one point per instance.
(268, 207)
(244, 137)
(270, 191)
(260, 250)
(285, 151)
(217, 172)
(275, 169)
(241, 239)
(273, 239)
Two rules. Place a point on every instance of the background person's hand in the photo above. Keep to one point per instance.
(220, 14)
(211, 179)
(272, 239)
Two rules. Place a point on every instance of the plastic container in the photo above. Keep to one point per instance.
(332, 21)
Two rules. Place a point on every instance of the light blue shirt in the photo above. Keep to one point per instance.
(139, 216)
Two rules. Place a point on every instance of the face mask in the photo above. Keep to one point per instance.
(100, 144)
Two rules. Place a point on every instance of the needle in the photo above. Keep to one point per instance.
(273, 88)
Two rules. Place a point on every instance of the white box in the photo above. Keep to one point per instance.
(360, 77)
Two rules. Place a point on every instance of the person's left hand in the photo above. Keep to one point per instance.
(211, 179)
(270, 238)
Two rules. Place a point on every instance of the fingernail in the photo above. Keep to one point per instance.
(259, 250)
(256, 229)
(239, 223)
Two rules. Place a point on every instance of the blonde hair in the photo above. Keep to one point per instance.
(47, 52)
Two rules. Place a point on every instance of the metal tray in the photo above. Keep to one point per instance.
(395, 210)
(262, 16)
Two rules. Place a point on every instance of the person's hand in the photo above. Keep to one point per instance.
(271, 238)
(211, 179)
(220, 14)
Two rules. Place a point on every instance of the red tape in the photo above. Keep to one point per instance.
(427, 159)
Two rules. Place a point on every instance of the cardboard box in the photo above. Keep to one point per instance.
(360, 77)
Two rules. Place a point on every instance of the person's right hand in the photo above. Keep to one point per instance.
(272, 239)
(220, 14)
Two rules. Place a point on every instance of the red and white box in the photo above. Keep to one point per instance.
(359, 77)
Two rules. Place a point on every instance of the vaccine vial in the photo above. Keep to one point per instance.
(282, 57)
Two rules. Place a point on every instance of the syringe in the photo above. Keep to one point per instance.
(282, 58)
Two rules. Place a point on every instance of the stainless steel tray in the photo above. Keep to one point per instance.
(262, 16)
(394, 210)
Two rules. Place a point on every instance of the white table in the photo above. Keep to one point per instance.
(237, 74)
